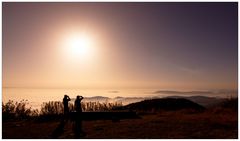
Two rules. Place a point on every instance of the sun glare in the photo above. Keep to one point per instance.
(79, 47)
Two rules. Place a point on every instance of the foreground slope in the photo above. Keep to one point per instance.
(220, 122)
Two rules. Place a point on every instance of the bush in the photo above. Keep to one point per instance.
(51, 108)
(18, 110)
(99, 107)
(8, 111)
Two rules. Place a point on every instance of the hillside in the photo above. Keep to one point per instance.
(171, 104)
(220, 122)
(202, 100)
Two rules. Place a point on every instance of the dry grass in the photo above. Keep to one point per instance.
(218, 123)
(22, 110)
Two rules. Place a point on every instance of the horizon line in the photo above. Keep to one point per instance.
(162, 89)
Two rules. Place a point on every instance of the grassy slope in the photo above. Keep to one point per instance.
(219, 122)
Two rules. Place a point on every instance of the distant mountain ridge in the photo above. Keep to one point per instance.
(233, 93)
(202, 100)
(183, 92)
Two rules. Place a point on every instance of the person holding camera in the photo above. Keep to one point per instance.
(66, 99)
(78, 118)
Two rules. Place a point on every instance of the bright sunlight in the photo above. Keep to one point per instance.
(79, 47)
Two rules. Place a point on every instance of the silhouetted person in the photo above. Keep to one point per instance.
(60, 128)
(77, 104)
(78, 118)
(66, 99)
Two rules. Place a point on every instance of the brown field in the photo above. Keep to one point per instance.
(217, 123)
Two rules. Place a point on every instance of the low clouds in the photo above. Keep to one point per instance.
(195, 92)
(182, 92)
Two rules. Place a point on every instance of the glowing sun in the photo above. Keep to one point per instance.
(79, 46)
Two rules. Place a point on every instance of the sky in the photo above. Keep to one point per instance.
(177, 46)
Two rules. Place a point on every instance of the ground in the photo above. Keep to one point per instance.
(217, 124)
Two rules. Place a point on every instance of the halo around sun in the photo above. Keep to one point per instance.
(79, 47)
